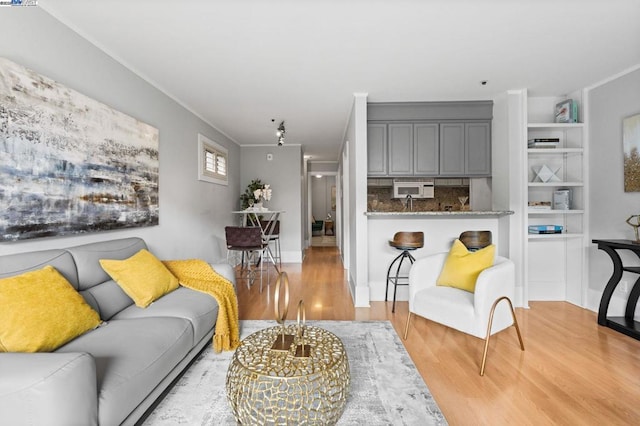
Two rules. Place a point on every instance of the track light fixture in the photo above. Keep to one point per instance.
(280, 133)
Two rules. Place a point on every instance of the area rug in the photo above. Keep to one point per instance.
(386, 388)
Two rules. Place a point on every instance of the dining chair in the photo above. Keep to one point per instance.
(247, 241)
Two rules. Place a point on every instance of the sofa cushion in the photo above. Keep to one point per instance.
(16, 264)
(199, 308)
(142, 276)
(53, 389)
(87, 258)
(107, 298)
(41, 311)
(132, 357)
(95, 285)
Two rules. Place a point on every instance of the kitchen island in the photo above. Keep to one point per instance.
(440, 229)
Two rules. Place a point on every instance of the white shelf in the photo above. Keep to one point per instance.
(554, 184)
(562, 236)
(549, 212)
(555, 125)
(555, 150)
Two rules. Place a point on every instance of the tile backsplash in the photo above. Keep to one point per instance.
(379, 199)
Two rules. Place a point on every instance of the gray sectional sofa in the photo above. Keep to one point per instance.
(110, 375)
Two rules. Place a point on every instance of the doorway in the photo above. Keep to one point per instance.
(322, 195)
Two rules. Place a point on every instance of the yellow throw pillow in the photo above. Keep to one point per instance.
(142, 276)
(462, 267)
(41, 311)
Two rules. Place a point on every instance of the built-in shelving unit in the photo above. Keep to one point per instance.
(555, 263)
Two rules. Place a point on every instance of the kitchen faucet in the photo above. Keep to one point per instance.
(409, 202)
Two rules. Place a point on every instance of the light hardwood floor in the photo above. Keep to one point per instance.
(572, 372)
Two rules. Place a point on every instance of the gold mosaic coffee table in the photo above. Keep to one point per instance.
(291, 384)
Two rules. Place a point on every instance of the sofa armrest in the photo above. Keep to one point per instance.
(226, 271)
(48, 388)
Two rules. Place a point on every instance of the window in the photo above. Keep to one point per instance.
(212, 161)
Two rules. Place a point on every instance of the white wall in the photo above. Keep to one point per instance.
(284, 174)
(609, 205)
(192, 213)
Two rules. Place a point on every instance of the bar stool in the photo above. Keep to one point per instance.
(405, 241)
(475, 240)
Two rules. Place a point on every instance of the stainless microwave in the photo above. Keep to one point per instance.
(422, 189)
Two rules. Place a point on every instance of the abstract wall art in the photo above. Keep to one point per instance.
(631, 145)
(70, 164)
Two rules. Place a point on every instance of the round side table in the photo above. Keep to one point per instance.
(295, 385)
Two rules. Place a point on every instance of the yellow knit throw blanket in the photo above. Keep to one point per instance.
(198, 275)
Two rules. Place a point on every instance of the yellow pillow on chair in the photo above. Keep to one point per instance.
(142, 276)
(41, 311)
(462, 267)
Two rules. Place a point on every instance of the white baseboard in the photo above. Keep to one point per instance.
(292, 256)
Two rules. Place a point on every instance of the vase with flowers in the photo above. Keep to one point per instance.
(255, 194)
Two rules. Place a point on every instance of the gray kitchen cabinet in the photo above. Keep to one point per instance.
(465, 149)
(377, 149)
(478, 149)
(457, 149)
(426, 149)
(400, 149)
(452, 147)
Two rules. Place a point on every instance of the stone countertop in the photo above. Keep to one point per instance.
(441, 214)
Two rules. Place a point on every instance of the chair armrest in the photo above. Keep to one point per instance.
(48, 388)
(424, 273)
(492, 283)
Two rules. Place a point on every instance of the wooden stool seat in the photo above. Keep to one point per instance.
(475, 240)
(407, 240)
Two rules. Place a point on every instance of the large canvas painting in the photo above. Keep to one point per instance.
(70, 164)
(631, 144)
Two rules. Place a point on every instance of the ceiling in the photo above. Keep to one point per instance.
(239, 64)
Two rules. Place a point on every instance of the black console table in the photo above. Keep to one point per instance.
(625, 324)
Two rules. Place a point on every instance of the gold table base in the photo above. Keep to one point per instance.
(276, 387)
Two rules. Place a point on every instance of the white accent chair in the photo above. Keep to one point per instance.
(479, 314)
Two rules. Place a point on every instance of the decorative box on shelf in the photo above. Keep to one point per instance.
(567, 111)
(545, 173)
(539, 205)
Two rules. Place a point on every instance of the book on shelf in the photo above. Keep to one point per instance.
(543, 143)
(557, 140)
(545, 229)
